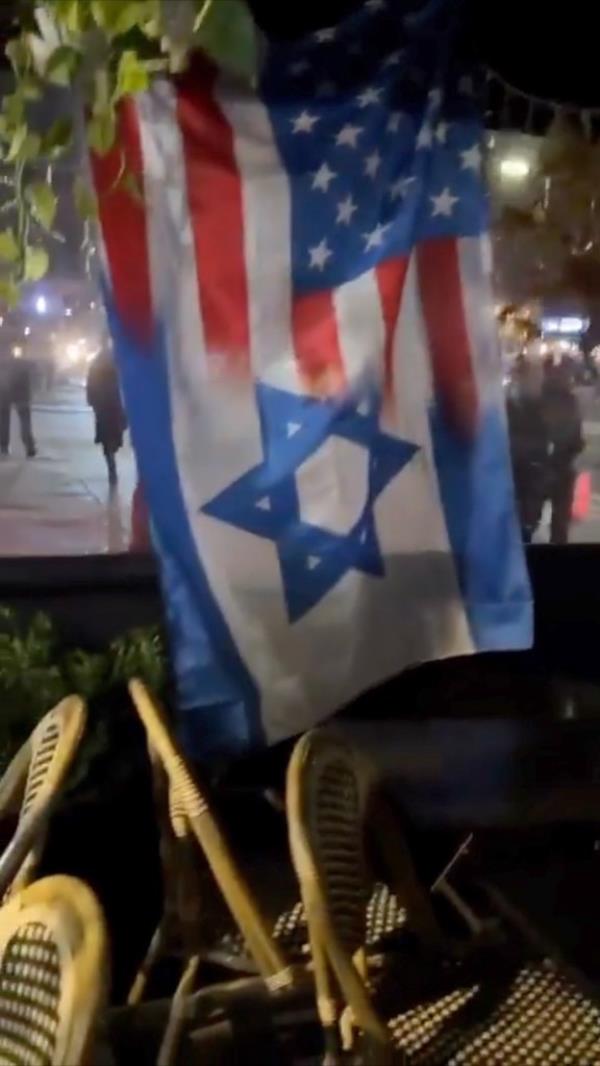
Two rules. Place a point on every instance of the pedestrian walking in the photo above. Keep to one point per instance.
(16, 387)
(528, 444)
(565, 441)
(104, 397)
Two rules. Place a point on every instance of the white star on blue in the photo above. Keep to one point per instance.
(265, 501)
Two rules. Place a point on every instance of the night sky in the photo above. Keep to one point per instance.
(549, 50)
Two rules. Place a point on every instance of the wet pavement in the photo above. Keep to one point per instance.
(59, 502)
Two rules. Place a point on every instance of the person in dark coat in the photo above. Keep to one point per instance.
(104, 397)
(528, 444)
(565, 439)
(16, 387)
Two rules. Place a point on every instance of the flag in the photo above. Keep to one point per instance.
(300, 305)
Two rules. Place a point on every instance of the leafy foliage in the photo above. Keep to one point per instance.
(105, 51)
(36, 672)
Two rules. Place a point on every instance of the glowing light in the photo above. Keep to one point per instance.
(17, 351)
(544, 348)
(68, 312)
(27, 331)
(93, 305)
(515, 168)
(1, 321)
(571, 325)
(41, 305)
(72, 352)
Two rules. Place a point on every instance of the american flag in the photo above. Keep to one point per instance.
(301, 311)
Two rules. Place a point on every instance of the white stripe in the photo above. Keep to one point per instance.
(173, 274)
(476, 284)
(411, 365)
(267, 235)
(361, 329)
(410, 514)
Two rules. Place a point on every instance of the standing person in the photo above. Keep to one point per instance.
(16, 387)
(104, 397)
(528, 444)
(565, 440)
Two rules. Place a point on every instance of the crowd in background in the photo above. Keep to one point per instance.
(546, 437)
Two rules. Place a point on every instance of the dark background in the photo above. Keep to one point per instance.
(548, 50)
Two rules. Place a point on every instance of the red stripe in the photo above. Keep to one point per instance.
(123, 223)
(390, 280)
(445, 322)
(316, 343)
(214, 192)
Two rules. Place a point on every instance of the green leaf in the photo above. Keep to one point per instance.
(9, 248)
(18, 140)
(226, 31)
(116, 17)
(10, 292)
(62, 65)
(31, 86)
(71, 14)
(130, 184)
(37, 262)
(13, 108)
(132, 75)
(19, 55)
(24, 146)
(43, 202)
(58, 138)
(102, 131)
(85, 200)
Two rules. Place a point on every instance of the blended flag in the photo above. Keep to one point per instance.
(301, 308)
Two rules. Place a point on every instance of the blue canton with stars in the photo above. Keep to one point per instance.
(264, 501)
(380, 140)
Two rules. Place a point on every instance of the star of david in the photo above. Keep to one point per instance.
(265, 500)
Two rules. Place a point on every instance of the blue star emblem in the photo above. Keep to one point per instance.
(265, 500)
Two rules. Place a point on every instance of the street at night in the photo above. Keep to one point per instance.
(58, 503)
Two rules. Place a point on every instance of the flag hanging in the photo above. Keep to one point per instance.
(300, 305)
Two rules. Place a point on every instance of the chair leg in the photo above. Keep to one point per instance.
(400, 869)
(327, 1004)
(152, 956)
(171, 1038)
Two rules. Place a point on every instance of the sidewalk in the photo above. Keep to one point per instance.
(59, 503)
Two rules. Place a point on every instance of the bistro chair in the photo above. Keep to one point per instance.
(31, 785)
(53, 974)
(288, 943)
(186, 818)
(508, 1015)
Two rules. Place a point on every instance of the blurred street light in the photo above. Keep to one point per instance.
(515, 167)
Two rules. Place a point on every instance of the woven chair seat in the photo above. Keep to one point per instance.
(540, 1019)
(29, 997)
(384, 917)
(53, 970)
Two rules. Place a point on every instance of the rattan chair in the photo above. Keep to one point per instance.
(53, 974)
(191, 819)
(527, 1013)
(30, 786)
